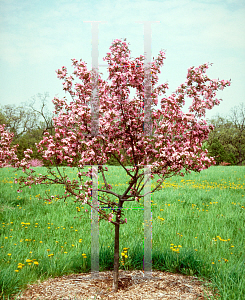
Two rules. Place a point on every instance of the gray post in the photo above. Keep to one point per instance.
(94, 132)
(147, 263)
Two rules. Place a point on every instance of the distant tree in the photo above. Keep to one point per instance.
(237, 116)
(219, 143)
(220, 155)
(230, 132)
(40, 108)
(3, 119)
(18, 119)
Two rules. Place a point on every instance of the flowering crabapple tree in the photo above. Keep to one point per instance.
(7, 153)
(175, 147)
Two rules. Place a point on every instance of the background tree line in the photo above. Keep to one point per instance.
(29, 120)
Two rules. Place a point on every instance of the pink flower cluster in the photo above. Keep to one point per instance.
(36, 162)
(224, 164)
(177, 139)
(8, 155)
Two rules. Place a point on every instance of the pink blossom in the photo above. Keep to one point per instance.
(8, 155)
(110, 217)
(178, 136)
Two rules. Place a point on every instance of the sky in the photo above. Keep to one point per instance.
(39, 37)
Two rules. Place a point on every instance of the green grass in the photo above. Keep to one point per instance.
(201, 215)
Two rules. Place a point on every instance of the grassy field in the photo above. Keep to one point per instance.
(197, 229)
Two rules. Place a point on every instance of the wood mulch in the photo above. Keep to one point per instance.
(132, 285)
